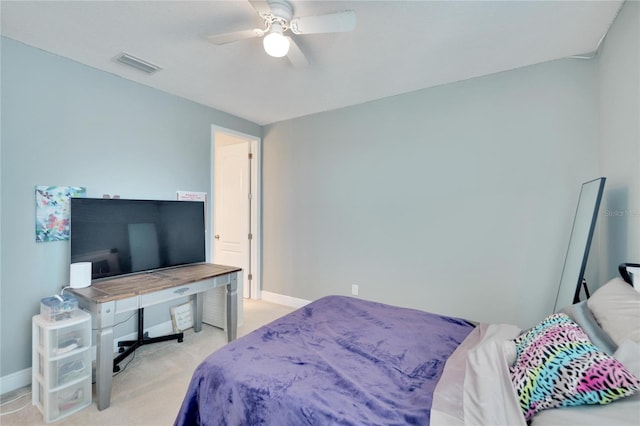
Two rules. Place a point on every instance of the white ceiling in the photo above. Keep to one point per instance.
(397, 46)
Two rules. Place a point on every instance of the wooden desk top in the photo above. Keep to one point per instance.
(127, 286)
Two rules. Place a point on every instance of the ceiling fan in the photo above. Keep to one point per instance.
(278, 19)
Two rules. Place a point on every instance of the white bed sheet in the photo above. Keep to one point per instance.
(475, 387)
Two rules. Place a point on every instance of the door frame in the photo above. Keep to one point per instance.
(255, 203)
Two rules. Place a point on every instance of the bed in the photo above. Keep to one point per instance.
(347, 361)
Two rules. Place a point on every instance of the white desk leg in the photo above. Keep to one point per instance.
(197, 317)
(232, 307)
(104, 367)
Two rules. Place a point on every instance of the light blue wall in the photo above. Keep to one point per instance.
(619, 90)
(457, 199)
(67, 124)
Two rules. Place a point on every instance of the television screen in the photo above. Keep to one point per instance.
(126, 236)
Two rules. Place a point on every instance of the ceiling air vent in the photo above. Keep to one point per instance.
(137, 63)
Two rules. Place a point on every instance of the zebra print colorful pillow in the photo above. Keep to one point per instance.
(558, 366)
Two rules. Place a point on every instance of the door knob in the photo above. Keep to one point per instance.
(217, 237)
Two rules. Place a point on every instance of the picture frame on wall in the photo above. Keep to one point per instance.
(53, 211)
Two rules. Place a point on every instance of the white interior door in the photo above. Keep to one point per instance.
(231, 212)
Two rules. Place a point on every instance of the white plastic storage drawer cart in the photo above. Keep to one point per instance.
(61, 368)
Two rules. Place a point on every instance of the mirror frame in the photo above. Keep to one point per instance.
(584, 224)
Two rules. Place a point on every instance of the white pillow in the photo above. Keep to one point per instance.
(629, 354)
(616, 307)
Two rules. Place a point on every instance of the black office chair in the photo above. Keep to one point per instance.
(143, 339)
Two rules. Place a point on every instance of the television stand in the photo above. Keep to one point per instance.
(110, 297)
(143, 339)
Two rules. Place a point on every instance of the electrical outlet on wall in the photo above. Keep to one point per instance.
(354, 289)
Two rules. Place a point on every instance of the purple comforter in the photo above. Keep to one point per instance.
(338, 360)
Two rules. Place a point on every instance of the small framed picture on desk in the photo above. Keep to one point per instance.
(181, 317)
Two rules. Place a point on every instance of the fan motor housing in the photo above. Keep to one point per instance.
(281, 9)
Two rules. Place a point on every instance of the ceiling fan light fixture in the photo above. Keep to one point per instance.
(275, 44)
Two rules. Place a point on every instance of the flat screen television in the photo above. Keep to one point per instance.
(121, 236)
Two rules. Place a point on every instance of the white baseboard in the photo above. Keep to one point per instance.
(14, 381)
(281, 299)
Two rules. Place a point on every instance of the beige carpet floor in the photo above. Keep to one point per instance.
(150, 389)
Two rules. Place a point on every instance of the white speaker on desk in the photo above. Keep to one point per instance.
(80, 275)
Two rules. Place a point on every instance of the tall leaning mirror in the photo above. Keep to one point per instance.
(575, 261)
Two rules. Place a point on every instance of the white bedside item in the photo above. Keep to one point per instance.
(61, 365)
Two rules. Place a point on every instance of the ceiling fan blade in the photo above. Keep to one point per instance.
(338, 22)
(220, 39)
(261, 6)
(295, 55)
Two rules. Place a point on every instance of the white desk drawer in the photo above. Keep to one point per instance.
(126, 305)
(176, 292)
(223, 280)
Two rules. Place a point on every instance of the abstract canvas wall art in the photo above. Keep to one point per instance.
(52, 211)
